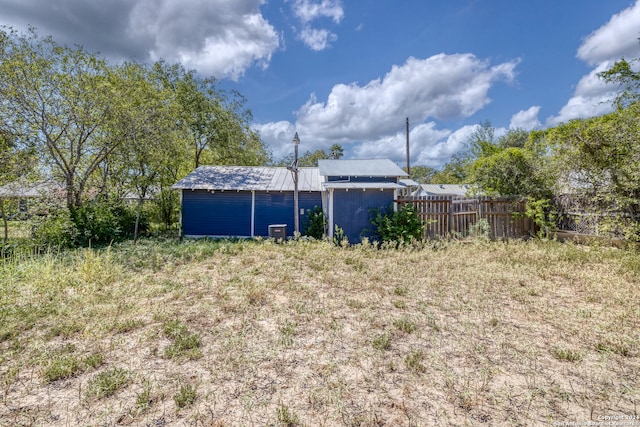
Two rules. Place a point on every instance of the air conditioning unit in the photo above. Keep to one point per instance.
(278, 231)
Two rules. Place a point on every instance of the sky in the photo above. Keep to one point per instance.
(351, 72)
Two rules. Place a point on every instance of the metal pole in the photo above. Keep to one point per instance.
(296, 215)
(408, 165)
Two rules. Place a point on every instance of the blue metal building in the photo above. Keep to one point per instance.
(353, 188)
(242, 201)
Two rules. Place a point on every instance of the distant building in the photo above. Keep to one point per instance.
(455, 190)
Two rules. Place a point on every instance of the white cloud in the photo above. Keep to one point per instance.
(602, 48)
(526, 119)
(278, 135)
(592, 97)
(440, 87)
(308, 11)
(222, 38)
(218, 37)
(615, 39)
(369, 119)
(317, 39)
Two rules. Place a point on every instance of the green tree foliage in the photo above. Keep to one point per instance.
(16, 162)
(336, 152)
(117, 130)
(422, 174)
(601, 157)
(310, 159)
(455, 171)
(59, 98)
(627, 80)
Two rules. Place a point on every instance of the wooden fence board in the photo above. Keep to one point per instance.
(445, 216)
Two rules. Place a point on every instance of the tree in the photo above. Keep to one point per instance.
(600, 156)
(60, 98)
(16, 162)
(628, 82)
(336, 152)
(217, 124)
(422, 174)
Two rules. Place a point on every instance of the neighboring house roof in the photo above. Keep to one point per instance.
(23, 189)
(409, 182)
(249, 178)
(443, 190)
(371, 167)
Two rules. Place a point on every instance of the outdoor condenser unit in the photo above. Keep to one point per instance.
(278, 231)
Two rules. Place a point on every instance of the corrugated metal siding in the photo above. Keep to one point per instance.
(277, 208)
(352, 210)
(225, 213)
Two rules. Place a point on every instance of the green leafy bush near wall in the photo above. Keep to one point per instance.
(401, 226)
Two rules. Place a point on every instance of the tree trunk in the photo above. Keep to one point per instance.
(4, 221)
(135, 230)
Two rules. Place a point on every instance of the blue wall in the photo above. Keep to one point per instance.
(352, 210)
(225, 213)
(277, 208)
(228, 213)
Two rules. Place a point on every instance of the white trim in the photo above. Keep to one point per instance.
(180, 231)
(253, 213)
(330, 221)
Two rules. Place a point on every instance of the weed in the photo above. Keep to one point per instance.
(185, 344)
(186, 396)
(286, 417)
(405, 325)
(108, 382)
(287, 332)
(382, 342)
(414, 359)
(144, 399)
(63, 365)
(566, 354)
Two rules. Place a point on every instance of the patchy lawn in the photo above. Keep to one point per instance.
(307, 333)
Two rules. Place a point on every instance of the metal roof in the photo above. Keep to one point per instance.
(409, 182)
(444, 189)
(25, 189)
(371, 167)
(249, 178)
(363, 185)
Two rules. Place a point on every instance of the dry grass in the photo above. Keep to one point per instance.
(306, 333)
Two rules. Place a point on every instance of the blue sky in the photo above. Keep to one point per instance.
(350, 72)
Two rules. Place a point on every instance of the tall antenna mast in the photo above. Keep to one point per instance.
(408, 165)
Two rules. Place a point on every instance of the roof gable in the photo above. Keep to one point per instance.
(371, 167)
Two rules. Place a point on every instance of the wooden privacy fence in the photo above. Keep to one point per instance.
(445, 216)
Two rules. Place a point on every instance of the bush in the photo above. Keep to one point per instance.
(98, 222)
(56, 230)
(104, 221)
(401, 226)
(315, 223)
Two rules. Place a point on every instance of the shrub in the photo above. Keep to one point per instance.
(401, 226)
(104, 221)
(57, 229)
(315, 223)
